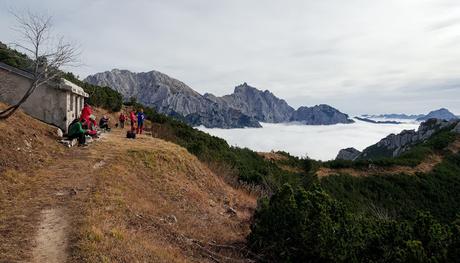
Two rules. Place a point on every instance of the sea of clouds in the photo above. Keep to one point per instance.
(321, 142)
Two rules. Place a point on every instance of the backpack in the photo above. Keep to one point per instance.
(72, 123)
(131, 135)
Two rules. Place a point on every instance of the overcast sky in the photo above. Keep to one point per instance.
(361, 56)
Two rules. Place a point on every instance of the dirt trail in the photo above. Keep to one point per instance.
(72, 183)
(47, 201)
(51, 238)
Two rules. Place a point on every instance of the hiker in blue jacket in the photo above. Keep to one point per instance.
(140, 121)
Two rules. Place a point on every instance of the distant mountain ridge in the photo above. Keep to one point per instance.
(395, 116)
(442, 114)
(245, 107)
(377, 122)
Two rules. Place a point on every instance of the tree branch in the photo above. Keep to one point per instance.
(35, 30)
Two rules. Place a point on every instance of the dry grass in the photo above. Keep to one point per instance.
(24, 138)
(151, 184)
(25, 145)
(143, 200)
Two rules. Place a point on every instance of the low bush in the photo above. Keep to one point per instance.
(311, 226)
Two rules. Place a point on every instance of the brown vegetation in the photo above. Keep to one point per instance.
(123, 200)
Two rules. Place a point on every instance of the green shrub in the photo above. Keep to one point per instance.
(14, 58)
(311, 226)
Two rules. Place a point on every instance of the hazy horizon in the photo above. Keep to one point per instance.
(359, 56)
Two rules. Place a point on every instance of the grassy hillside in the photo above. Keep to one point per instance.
(121, 200)
(183, 196)
(366, 211)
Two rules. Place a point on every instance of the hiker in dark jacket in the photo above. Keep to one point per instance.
(104, 123)
(76, 131)
(140, 121)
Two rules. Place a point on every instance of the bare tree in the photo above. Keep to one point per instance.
(47, 54)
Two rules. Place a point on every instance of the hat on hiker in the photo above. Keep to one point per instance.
(92, 117)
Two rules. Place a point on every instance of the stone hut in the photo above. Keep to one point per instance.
(56, 103)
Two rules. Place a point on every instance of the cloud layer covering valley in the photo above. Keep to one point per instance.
(318, 142)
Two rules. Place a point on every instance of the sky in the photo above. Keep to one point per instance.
(360, 56)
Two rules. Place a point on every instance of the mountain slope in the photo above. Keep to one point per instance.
(117, 200)
(170, 96)
(243, 108)
(395, 145)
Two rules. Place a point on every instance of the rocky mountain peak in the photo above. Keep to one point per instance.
(245, 107)
(321, 114)
(443, 114)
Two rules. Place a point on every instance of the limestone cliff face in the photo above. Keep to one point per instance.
(170, 96)
(245, 107)
(153, 89)
(262, 105)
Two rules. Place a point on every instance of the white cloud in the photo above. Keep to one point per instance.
(318, 142)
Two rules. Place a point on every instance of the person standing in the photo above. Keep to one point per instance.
(122, 120)
(140, 121)
(132, 117)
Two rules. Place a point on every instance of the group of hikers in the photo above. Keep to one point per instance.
(86, 124)
(138, 118)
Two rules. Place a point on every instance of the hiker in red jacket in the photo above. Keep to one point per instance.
(132, 117)
(86, 112)
(122, 120)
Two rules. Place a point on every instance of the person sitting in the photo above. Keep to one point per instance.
(76, 131)
(92, 127)
(104, 123)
